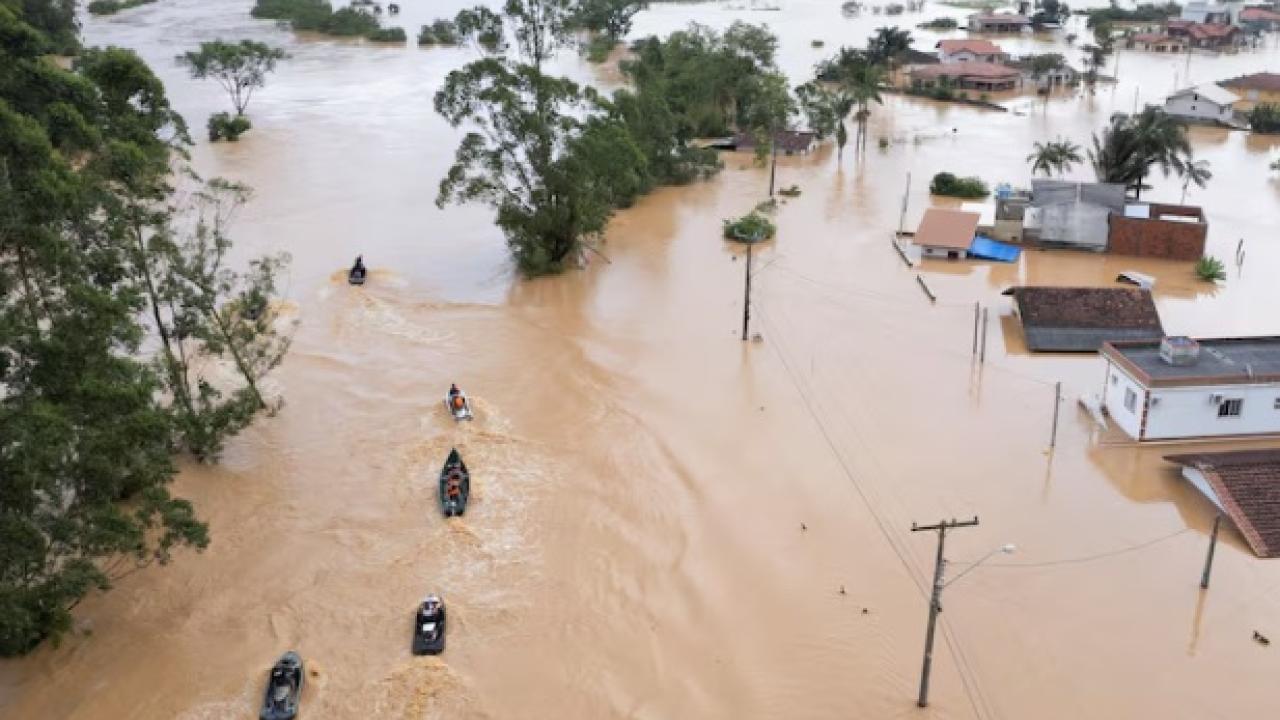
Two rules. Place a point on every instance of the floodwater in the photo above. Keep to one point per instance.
(667, 522)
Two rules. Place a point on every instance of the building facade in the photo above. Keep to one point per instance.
(1206, 103)
(976, 50)
(1179, 389)
(1254, 89)
(1173, 232)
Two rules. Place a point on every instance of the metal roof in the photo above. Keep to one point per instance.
(1224, 361)
(1213, 93)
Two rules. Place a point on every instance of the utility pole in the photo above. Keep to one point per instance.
(1208, 560)
(935, 600)
(902, 217)
(773, 162)
(746, 296)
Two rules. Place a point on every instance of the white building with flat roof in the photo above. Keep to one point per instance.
(1180, 388)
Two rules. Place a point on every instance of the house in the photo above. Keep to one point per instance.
(1201, 35)
(1179, 388)
(1084, 319)
(1071, 214)
(1254, 89)
(946, 233)
(1245, 486)
(1157, 42)
(976, 75)
(973, 50)
(998, 23)
(1212, 13)
(789, 142)
(1259, 20)
(1205, 103)
(1175, 232)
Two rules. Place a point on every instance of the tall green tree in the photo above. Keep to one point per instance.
(1054, 157)
(887, 45)
(826, 106)
(612, 18)
(240, 68)
(1132, 146)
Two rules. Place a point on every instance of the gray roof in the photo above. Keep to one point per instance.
(1081, 339)
(1213, 93)
(1075, 214)
(1221, 361)
(1067, 319)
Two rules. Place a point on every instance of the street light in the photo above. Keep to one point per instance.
(935, 602)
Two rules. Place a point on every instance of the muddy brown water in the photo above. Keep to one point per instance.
(634, 545)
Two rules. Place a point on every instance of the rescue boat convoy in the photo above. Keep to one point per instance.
(284, 684)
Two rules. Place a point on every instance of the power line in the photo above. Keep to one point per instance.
(1095, 556)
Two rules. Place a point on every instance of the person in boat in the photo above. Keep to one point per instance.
(453, 486)
(358, 269)
(456, 401)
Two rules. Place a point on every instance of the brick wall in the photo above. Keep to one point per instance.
(1159, 238)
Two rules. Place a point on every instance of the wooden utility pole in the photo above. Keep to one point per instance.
(902, 217)
(1057, 405)
(746, 297)
(935, 599)
(1208, 559)
(773, 161)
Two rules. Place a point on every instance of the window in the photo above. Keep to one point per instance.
(1276, 405)
(1230, 407)
(1130, 399)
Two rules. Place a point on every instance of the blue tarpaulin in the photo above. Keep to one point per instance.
(984, 248)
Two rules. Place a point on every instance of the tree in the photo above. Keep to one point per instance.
(240, 68)
(1265, 118)
(1131, 146)
(1197, 173)
(610, 17)
(85, 440)
(1095, 58)
(826, 109)
(1041, 65)
(887, 44)
(1054, 157)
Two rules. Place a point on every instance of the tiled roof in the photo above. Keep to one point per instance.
(1080, 319)
(1267, 82)
(975, 46)
(978, 70)
(1202, 31)
(1247, 486)
(1007, 18)
(1259, 15)
(789, 141)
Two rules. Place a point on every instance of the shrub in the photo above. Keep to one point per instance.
(387, 35)
(750, 228)
(349, 22)
(111, 7)
(288, 9)
(440, 32)
(1265, 118)
(1210, 269)
(944, 183)
(793, 191)
(942, 23)
(225, 126)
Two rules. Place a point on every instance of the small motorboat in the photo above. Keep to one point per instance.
(284, 689)
(457, 404)
(428, 627)
(455, 485)
(358, 272)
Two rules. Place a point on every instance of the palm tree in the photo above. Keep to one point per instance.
(887, 44)
(1054, 157)
(1196, 172)
(1131, 145)
(864, 85)
(826, 108)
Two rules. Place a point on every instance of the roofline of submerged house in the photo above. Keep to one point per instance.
(1113, 351)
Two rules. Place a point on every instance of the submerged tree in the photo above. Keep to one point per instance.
(826, 108)
(1055, 157)
(1131, 146)
(240, 68)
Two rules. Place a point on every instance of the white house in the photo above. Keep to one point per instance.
(1180, 388)
(957, 51)
(1213, 13)
(1207, 102)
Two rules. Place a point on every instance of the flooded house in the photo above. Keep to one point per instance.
(1074, 215)
(1084, 319)
(789, 142)
(946, 233)
(1173, 232)
(1203, 103)
(1157, 42)
(1259, 19)
(970, 50)
(977, 75)
(1242, 485)
(998, 23)
(1204, 36)
(1183, 388)
(1212, 13)
(1254, 89)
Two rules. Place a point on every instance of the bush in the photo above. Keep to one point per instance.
(111, 7)
(349, 22)
(318, 16)
(944, 183)
(1265, 118)
(942, 23)
(1210, 269)
(816, 43)
(750, 228)
(1142, 13)
(288, 9)
(791, 192)
(387, 35)
(941, 92)
(225, 126)
(440, 32)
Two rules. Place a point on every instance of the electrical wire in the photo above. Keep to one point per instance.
(1095, 556)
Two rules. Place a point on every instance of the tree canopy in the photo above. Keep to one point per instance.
(239, 67)
(1133, 145)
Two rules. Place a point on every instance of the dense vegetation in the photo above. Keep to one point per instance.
(94, 259)
(942, 23)
(1265, 118)
(1145, 12)
(608, 21)
(440, 32)
(319, 16)
(111, 7)
(388, 35)
(944, 183)
(750, 228)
